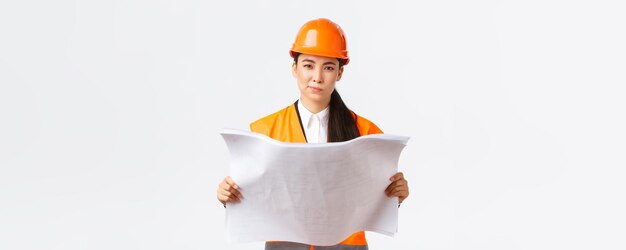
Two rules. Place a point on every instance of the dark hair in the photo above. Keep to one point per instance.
(341, 120)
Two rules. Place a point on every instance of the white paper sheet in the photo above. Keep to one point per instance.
(315, 194)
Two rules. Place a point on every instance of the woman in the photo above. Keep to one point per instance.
(319, 116)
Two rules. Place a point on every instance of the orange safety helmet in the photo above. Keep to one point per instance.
(321, 37)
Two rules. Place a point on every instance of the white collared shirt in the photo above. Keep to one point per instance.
(315, 125)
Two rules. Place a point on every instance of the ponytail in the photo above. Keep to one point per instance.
(341, 121)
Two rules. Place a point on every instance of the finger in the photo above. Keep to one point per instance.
(231, 182)
(224, 185)
(401, 197)
(236, 192)
(224, 198)
(390, 187)
(396, 188)
(396, 184)
(224, 193)
(227, 199)
(400, 190)
(230, 196)
(397, 176)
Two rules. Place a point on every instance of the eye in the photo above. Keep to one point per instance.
(307, 66)
(329, 68)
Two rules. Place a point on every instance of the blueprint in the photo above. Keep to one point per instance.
(315, 194)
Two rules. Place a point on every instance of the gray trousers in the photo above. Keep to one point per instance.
(283, 245)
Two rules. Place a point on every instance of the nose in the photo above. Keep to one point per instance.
(317, 76)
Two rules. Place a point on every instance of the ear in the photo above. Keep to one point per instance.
(293, 70)
(340, 73)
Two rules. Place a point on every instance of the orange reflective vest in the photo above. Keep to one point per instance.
(285, 125)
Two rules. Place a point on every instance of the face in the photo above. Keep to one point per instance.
(316, 77)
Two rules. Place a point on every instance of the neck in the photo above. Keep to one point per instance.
(314, 107)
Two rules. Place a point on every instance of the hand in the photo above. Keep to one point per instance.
(228, 191)
(399, 187)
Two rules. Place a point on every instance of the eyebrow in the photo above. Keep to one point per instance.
(311, 61)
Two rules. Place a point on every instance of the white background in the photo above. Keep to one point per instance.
(110, 113)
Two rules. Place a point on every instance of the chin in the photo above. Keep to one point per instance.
(316, 97)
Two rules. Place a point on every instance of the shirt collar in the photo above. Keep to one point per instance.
(305, 114)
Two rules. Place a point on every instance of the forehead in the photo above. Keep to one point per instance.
(317, 59)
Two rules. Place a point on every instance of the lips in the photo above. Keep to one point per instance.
(314, 89)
